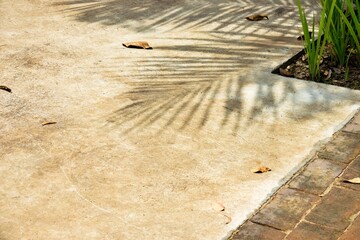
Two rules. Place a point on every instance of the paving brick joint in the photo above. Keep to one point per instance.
(315, 203)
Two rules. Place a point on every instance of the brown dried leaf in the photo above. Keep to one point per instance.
(327, 73)
(219, 207)
(331, 49)
(337, 70)
(48, 123)
(285, 72)
(302, 37)
(228, 219)
(257, 17)
(262, 170)
(354, 180)
(140, 44)
(5, 88)
(304, 57)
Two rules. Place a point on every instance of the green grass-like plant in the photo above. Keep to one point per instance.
(353, 25)
(338, 36)
(314, 48)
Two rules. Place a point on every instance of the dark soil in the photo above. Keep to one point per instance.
(330, 73)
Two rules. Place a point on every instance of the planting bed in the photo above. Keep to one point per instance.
(297, 67)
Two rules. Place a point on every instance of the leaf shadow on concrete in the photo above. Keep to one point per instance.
(190, 85)
(176, 13)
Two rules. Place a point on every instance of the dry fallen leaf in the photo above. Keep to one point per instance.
(5, 88)
(228, 219)
(218, 207)
(354, 180)
(262, 170)
(285, 72)
(48, 123)
(141, 44)
(257, 17)
(304, 57)
(302, 37)
(327, 73)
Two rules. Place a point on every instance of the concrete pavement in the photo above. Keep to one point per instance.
(149, 143)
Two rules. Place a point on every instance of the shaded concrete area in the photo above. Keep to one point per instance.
(149, 143)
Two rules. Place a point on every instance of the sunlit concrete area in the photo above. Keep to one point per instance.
(152, 144)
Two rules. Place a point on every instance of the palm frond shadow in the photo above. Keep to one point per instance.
(152, 14)
(191, 86)
(191, 92)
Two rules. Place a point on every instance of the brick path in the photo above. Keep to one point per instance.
(315, 204)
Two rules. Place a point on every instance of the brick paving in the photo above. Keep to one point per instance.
(316, 203)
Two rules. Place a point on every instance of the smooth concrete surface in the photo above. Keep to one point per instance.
(151, 144)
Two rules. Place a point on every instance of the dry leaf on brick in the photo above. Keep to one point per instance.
(5, 88)
(354, 180)
(262, 170)
(141, 44)
(257, 17)
(48, 123)
(285, 72)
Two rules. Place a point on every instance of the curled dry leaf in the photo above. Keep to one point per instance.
(354, 180)
(5, 88)
(140, 44)
(218, 207)
(228, 219)
(304, 57)
(285, 72)
(302, 37)
(257, 17)
(331, 49)
(327, 73)
(262, 170)
(48, 123)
